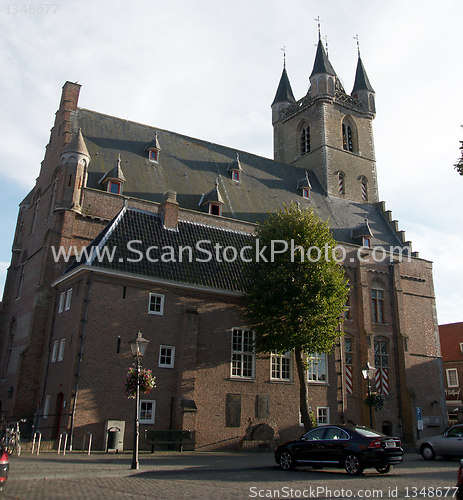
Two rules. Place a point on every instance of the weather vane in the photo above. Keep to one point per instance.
(356, 37)
(317, 19)
(284, 55)
(326, 44)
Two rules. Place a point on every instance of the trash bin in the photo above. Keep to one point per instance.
(113, 438)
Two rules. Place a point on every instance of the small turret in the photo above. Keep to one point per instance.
(283, 98)
(363, 91)
(323, 76)
(74, 161)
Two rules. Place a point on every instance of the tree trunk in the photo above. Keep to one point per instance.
(302, 374)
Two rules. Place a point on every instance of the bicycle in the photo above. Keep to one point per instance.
(11, 439)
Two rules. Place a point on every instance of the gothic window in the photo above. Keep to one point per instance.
(34, 215)
(342, 183)
(381, 350)
(364, 189)
(347, 141)
(305, 140)
(377, 298)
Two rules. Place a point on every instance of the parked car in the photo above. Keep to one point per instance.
(353, 447)
(4, 467)
(449, 444)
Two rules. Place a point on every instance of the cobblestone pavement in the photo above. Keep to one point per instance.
(200, 475)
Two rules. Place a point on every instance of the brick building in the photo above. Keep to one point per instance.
(451, 340)
(137, 191)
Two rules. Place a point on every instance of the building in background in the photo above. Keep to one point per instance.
(134, 195)
(451, 340)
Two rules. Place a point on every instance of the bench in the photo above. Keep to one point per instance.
(171, 437)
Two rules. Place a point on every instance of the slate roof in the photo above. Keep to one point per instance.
(132, 225)
(322, 63)
(191, 167)
(361, 78)
(284, 91)
(451, 336)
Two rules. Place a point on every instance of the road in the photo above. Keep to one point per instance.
(217, 476)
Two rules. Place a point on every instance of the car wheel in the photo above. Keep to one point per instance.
(287, 461)
(352, 465)
(384, 470)
(428, 453)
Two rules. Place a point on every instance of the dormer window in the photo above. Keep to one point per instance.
(114, 179)
(215, 209)
(306, 193)
(154, 149)
(154, 155)
(212, 201)
(114, 187)
(235, 168)
(366, 241)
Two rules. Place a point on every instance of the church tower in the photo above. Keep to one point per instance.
(329, 131)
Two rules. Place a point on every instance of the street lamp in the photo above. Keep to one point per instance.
(368, 372)
(138, 347)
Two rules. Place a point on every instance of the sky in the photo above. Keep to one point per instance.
(210, 69)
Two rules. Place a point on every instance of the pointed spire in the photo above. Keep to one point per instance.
(284, 91)
(235, 164)
(322, 63)
(77, 145)
(154, 144)
(361, 78)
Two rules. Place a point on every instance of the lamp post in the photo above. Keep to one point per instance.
(138, 347)
(368, 372)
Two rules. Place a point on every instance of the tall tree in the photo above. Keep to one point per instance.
(296, 290)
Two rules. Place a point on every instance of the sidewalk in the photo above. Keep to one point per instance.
(50, 465)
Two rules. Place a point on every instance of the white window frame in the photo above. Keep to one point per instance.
(62, 301)
(450, 372)
(153, 411)
(278, 363)
(242, 356)
(159, 312)
(54, 354)
(323, 415)
(68, 300)
(172, 356)
(46, 407)
(318, 366)
(62, 344)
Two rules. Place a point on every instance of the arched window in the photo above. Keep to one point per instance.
(342, 183)
(305, 140)
(381, 350)
(377, 303)
(347, 140)
(364, 189)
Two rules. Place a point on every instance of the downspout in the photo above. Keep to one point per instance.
(81, 354)
(396, 348)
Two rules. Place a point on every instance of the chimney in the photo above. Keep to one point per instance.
(168, 210)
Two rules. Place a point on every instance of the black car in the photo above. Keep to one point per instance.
(353, 447)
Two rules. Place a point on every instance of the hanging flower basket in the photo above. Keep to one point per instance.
(376, 400)
(146, 380)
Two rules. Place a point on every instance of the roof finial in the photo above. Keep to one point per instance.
(326, 44)
(284, 56)
(318, 22)
(119, 160)
(356, 37)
